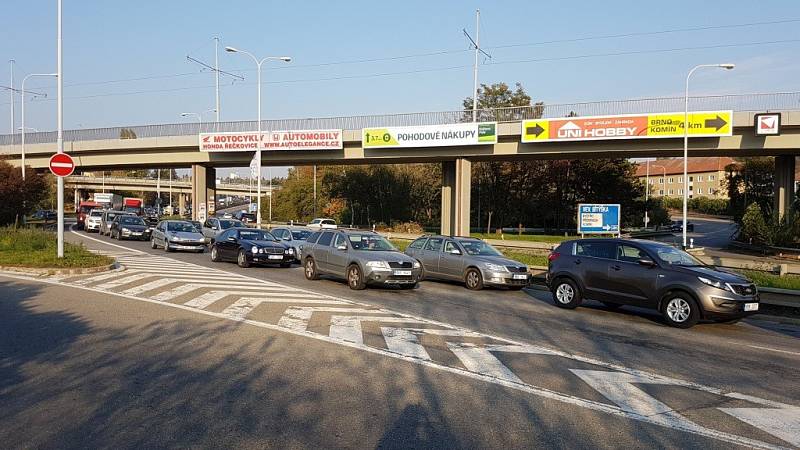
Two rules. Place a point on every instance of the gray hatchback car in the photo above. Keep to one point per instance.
(650, 274)
(360, 257)
(469, 260)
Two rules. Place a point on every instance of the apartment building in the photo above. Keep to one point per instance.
(706, 176)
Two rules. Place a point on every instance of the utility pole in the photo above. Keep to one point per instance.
(315, 192)
(11, 91)
(216, 71)
(60, 134)
(478, 51)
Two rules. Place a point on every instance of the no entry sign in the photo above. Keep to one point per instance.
(62, 165)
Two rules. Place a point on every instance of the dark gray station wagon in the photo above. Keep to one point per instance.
(649, 274)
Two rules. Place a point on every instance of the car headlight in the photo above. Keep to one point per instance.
(125, 230)
(254, 249)
(290, 251)
(378, 264)
(496, 267)
(417, 265)
(715, 283)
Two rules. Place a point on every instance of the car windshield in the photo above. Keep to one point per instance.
(85, 209)
(131, 209)
(225, 224)
(256, 235)
(131, 220)
(300, 235)
(370, 242)
(95, 213)
(479, 248)
(196, 224)
(185, 227)
(677, 257)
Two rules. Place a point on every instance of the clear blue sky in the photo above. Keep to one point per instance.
(106, 42)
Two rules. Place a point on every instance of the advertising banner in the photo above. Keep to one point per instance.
(272, 140)
(628, 126)
(470, 133)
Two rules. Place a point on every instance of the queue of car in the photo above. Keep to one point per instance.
(613, 271)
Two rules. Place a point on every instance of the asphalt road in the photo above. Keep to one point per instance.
(708, 232)
(177, 351)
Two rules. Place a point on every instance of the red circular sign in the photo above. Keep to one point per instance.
(62, 165)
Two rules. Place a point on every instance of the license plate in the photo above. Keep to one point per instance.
(402, 272)
(520, 276)
(275, 256)
(136, 234)
(751, 306)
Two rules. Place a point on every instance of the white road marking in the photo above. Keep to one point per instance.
(348, 328)
(405, 341)
(774, 350)
(84, 236)
(242, 307)
(783, 423)
(479, 358)
(297, 318)
(526, 388)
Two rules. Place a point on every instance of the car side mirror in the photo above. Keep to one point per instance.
(231, 238)
(342, 247)
(647, 262)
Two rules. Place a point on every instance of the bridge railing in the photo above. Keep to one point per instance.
(77, 179)
(739, 102)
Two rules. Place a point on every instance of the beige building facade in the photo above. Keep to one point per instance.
(706, 176)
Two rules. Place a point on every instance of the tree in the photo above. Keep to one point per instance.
(20, 197)
(750, 180)
(499, 95)
(754, 228)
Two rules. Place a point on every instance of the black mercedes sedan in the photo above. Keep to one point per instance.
(248, 246)
(129, 227)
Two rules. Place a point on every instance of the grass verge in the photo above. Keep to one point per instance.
(37, 248)
(771, 280)
(547, 238)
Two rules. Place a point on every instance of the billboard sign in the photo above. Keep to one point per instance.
(628, 126)
(272, 140)
(470, 133)
(598, 218)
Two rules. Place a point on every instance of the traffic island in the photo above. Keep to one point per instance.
(34, 252)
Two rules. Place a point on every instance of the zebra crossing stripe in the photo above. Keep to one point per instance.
(348, 328)
(405, 341)
(242, 307)
(297, 318)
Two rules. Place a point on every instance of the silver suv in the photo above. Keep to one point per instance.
(469, 260)
(360, 257)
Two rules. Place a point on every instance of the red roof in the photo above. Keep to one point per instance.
(675, 166)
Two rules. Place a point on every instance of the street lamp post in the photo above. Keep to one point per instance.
(686, 141)
(258, 150)
(22, 112)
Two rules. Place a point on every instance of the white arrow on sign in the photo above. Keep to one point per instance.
(606, 227)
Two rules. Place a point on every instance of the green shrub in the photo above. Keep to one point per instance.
(754, 228)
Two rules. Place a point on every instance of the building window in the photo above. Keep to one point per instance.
(699, 191)
(691, 179)
(680, 191)
(660, 181)
(671, 180)
(711, 178)
(671, 191)
(680, 179)
(699, 178)
(660, 192)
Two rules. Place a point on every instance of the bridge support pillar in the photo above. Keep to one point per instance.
(456, 184)
(181, 203)
(204, 190)
(784, 183)
(77, 198)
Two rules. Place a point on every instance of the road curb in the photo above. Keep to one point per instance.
(45, 271)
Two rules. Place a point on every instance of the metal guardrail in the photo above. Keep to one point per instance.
(742, 102)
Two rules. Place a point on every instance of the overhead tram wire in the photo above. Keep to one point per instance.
(459, 67)
(444, 52)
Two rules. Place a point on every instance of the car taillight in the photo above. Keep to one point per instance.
(553, 256)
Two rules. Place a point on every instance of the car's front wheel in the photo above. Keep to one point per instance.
(473, 280)
(355, 279)
(566, 293)
(242, 260)
(310, 269)
(680, 310)
(215, 254)
(153, 244)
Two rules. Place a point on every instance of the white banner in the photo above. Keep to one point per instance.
(272, 140)
(469, 133)
(254, 166)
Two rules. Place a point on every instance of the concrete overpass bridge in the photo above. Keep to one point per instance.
(177, 145)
